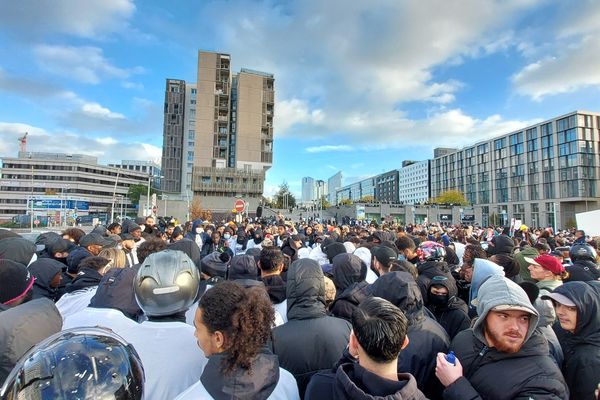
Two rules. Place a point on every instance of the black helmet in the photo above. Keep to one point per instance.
(167, 283)
(81, 363)
(582, 252)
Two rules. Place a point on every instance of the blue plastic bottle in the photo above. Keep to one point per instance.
(451, 358)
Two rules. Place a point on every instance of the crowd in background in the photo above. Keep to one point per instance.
(270, 308)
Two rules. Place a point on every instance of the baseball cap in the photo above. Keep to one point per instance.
(94, 238)
(547, 262)
(560, 298)
(385, 255)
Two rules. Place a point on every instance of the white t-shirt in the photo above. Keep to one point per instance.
(171, 357)
(109, 318)
(281, 309)
(286, 389)
(71, 303)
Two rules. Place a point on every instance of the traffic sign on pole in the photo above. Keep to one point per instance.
(240, 206)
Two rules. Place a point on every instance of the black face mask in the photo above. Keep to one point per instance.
(438, 300)
(257, 239)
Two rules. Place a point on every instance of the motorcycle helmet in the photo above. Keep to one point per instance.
(79, 363)
(166, 283)
(582, 252)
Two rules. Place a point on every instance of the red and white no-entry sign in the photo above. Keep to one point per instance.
(240, 205)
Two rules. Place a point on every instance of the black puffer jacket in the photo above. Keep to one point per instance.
(190, 248)
(344, 305)
(451, 315)
(426, 336)
(275, 288)
(351, 381)
(581, 348)
(310, 341)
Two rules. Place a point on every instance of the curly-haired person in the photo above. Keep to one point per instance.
(233, 325)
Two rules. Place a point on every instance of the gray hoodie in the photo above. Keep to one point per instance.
(497, 291)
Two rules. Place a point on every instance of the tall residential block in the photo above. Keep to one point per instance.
(225, 135)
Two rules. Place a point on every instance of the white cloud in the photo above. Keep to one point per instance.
(329, 148)
(107, 149)
(132, 85)
(574, 68)
(295, 111)
(95, 110)
(88, 19)
(86, 64)
(348, 68)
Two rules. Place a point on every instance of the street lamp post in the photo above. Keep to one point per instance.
(165, 197)
(112, 206)
(150, 176)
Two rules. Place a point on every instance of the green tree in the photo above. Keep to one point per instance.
(284, 197)
(367, 199)
(455, 197)
(324, 203)
(136, 191)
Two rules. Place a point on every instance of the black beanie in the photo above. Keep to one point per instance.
(15, 281)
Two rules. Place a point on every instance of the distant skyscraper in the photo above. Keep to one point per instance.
(333, 184)
(308, 189)
(218, 133)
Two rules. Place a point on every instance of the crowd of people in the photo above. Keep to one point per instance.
(275, 309)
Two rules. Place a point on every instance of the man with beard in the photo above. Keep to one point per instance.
(502, 356)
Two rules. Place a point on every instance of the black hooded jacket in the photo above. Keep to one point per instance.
(276, 288)
(17, 249)
(190, 248)
(453, 315)
(582, 348)
(310, 341)
(349, 273)
(86, 278)
(239, 384)
(426, 336)
(583, 270)
(502, 244)
(351, 381)
(44, 270)
(427, 270)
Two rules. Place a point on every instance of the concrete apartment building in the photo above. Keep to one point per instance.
(542, 175)
(221, 128)
(64, 183)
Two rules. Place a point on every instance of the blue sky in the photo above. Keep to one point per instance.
(360, 86)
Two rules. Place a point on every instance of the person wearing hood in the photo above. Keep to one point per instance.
(48, 274)
(320, 337)
(379, 334)
(255, 240)
(83, 287)
(577, 306)
(243, 271)
(500, 244)
(482, 269)
(23, 322)
(349, 273)
(426, 336)
(232, 327)
(197, 234)
(503, 356)
(18, 249)
(433, 264)
(584, 268)
(449, 311)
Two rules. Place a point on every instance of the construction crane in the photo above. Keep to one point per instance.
(23, 143)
